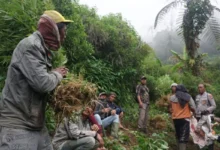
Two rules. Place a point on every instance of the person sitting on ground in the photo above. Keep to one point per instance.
(112, 105)
(106, 116)
(182, 104)
(95, 124)
(102, 96)
(77, 133)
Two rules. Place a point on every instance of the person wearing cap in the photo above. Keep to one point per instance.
(29, 78)
(142, 92)
(102, 96)
(173, 91)
(173, 88)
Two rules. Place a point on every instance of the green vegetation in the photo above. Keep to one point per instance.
(198, 18)
(108, 51)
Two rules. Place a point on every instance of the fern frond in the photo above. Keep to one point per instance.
(165, 10)
(212, 30)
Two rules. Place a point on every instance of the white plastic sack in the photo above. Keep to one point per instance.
(196, 139)
(206, 127)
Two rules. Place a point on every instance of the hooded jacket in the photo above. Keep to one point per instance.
(72, 130)
(23, 99)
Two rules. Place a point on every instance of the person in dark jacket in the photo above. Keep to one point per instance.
(112, 105)
(106, 116)
(29, 78)
(102, 96)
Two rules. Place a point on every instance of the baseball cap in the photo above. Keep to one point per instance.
(174, 84)
(56, 16)
(103, 93)
(143, 77)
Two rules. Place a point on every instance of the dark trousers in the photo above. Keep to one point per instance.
(182, 128)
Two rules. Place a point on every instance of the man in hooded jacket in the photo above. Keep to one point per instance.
(29, 79)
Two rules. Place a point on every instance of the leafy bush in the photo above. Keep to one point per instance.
(190, 82)
(151, 83)
(163, 84)
(50, 121)
(151, 143)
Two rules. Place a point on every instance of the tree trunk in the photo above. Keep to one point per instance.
(190, 41)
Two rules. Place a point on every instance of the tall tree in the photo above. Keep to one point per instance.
(198, 18)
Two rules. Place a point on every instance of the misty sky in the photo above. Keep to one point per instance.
(140, 13)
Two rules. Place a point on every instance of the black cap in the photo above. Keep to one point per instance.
(143, 78)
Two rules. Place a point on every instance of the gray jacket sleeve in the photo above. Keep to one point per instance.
(75, 133)
(212, 103)
(192, 104)
(33, 67)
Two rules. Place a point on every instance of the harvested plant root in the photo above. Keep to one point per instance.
(71, 96)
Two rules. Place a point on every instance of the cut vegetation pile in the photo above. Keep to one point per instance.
(72, 95)
(163, 102)
(158, 122)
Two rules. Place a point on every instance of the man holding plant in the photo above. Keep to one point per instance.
(29, 79)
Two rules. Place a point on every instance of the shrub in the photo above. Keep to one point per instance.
(163, 84)
(158, 122)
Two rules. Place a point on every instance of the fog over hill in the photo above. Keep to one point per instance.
(141, 14)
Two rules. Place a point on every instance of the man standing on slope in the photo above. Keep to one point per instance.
(182, 104)
(144, 102)
(29, 79)
(205, 104)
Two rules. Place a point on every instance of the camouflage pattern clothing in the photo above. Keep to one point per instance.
(143, 92)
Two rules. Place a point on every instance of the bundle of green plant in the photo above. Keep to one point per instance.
(158, 122)
(71, 96)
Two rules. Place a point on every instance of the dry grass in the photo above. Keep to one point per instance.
(72, 95)
(163, 101)
(158, 122)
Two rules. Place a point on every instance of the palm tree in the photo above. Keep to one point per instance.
(198, 19)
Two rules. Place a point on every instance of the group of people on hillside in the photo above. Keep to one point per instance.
(86, 131)
(182, 107)
(23, 101)
(30, 77)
